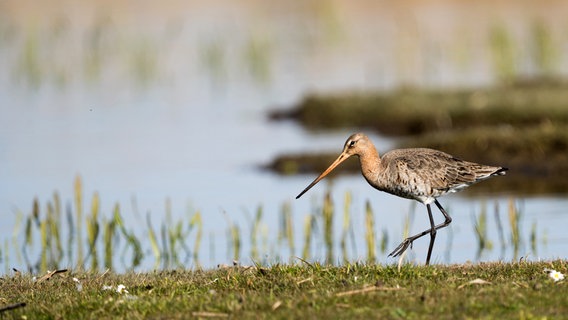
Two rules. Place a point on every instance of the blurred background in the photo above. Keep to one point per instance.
(137, 134)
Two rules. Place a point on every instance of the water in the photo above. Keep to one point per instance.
(171, 102)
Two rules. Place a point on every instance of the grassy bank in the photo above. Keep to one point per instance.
(482, 291)
(417, 111)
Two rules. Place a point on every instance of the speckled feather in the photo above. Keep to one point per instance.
(424, 174)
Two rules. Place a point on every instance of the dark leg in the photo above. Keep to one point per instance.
(408, 241)
(432, 234)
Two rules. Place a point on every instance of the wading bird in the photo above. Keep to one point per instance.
(420, 174)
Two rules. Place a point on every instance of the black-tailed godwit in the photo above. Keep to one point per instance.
(420, 174)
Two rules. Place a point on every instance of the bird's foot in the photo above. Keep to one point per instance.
(401, 247)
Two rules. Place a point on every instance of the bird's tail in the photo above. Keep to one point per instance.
(485, 172)
(500, 172)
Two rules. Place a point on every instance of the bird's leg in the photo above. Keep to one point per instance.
(408, 241)
(432, 234)
(447, 217)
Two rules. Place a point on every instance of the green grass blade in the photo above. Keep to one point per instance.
(327, 214)
(370, 233)
(153, 241)
(196, 221)
(78, 189)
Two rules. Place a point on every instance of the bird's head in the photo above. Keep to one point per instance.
(356, 144)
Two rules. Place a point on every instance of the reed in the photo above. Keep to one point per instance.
(56, 226)
(30, 66)
(328, 21)
(286, 229)
(144, 61)
(213, 59)
(544, 51)
(153, 242)
(480, 229)
(71, 234)
(258, 57)
(14, 241)
(327, 217)
(309, 221)
(109, 232)
(177, 244)
(370, 233)
(503, 51)
(49, 227)
(46, 239)
(50, 248)
(236, 241)
(164, 239)
(533, 238)
(408, 220)
(254, 234)
(171, 232)
(78, 189)
(347, 229)
(93, 229)
(32, 220)
(28, 240)
(196, 222)
(384, 240)
(500, 230)
(53, 241)
(514, 222)
(44, 244)
(174, 237)
(96, 49)
(180, 240)
(132, 242)
(233, 239)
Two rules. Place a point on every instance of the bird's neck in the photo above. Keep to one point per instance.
(370, 164)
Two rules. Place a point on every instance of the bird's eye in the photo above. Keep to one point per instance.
(352, 143)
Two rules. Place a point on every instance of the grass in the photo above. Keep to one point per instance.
(519, 290)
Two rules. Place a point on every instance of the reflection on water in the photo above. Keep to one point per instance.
(149, 102)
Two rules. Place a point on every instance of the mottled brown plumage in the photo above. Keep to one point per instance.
(419, 173)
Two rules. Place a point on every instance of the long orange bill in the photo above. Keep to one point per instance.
(342, 157)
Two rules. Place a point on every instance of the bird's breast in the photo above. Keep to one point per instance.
(404, 186)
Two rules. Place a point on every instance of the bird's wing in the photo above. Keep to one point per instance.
(433, 169)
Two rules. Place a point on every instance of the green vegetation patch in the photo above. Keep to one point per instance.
(491, 291)
(411, 112)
